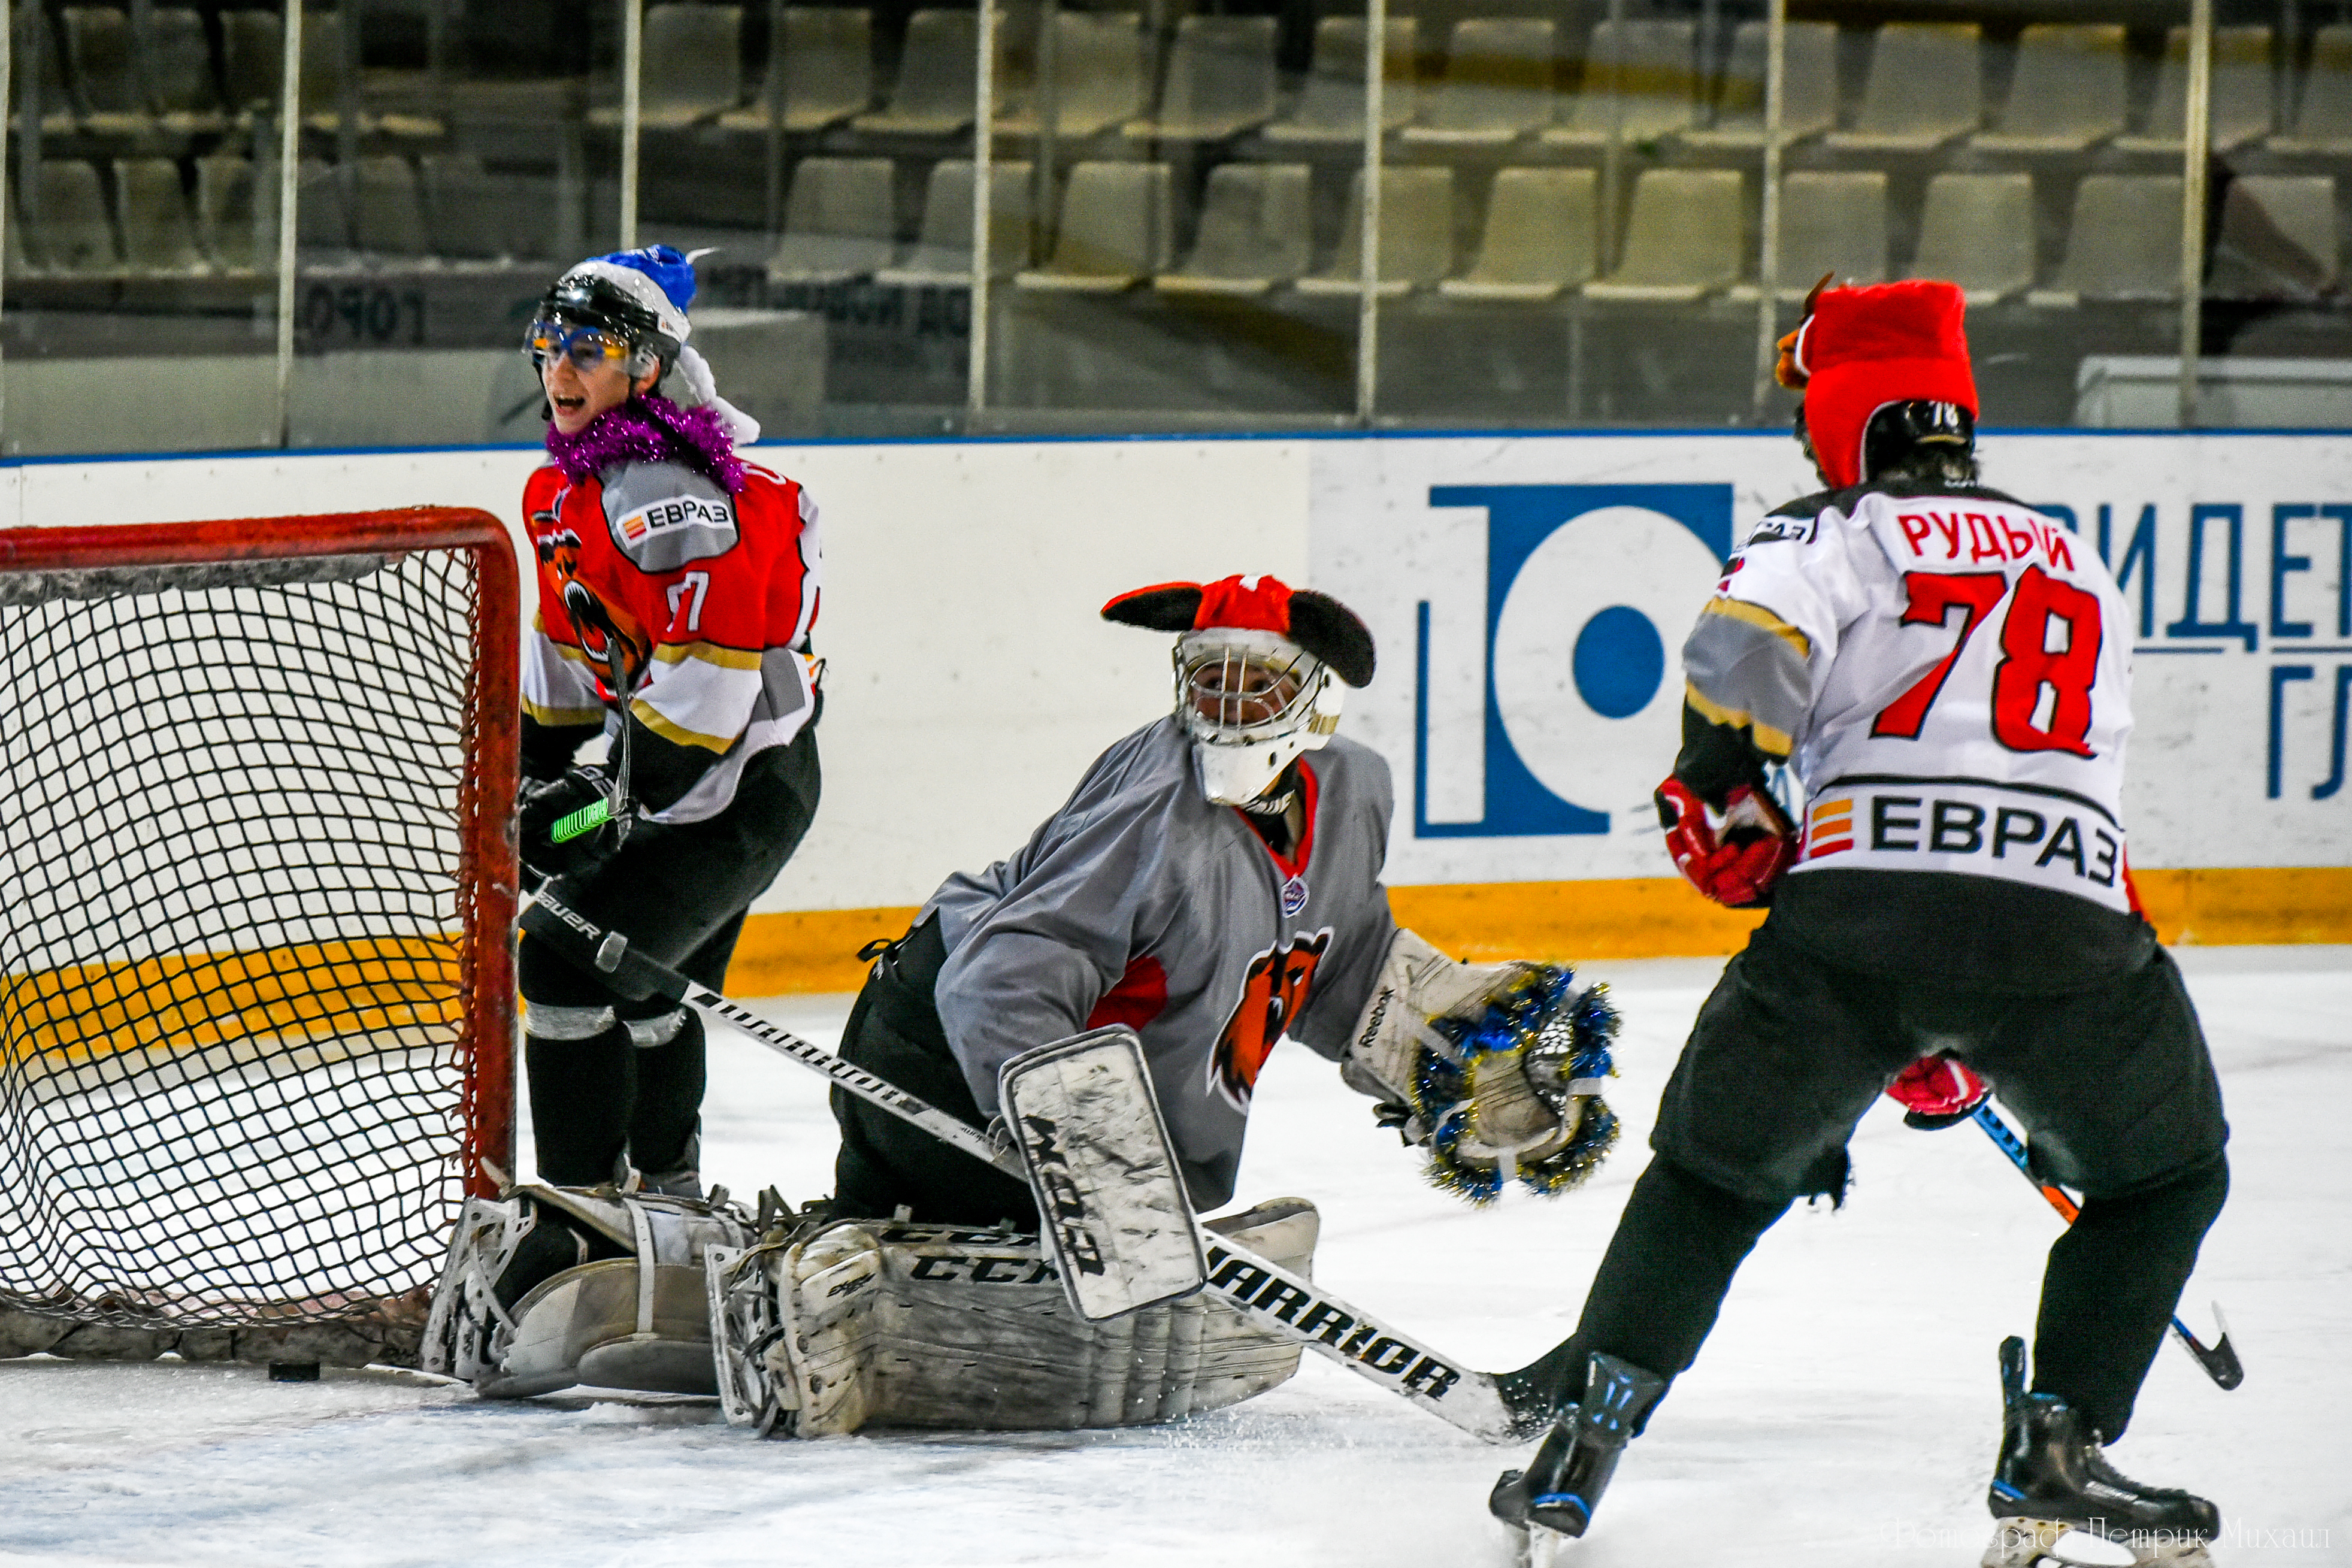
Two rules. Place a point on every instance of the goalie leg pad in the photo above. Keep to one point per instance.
(551, 1287)
(933, 1326)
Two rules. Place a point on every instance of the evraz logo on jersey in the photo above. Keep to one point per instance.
(1273, 991)
(2029, 833)
(1547, 689)
(673, 511)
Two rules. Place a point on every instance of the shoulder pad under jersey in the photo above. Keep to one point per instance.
(663, 515)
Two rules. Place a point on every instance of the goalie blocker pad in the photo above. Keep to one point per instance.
(549, 1287)
(1116, 1217)
(826, 1329)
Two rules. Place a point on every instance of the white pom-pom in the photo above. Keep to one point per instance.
(698, 381)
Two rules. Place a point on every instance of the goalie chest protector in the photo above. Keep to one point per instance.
(1139, 902)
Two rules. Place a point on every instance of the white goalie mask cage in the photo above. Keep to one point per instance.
(1252, 701)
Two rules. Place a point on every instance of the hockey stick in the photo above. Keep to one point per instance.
(2219, 1359)
(1269, 1296)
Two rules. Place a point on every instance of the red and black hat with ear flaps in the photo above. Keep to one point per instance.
(1858, 350)
(1315, 622)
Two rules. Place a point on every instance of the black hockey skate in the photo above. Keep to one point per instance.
(1555, 1496)
(2051, 1481)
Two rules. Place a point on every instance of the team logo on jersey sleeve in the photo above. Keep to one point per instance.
(1273, 991)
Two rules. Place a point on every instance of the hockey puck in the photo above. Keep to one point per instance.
(293, 1372)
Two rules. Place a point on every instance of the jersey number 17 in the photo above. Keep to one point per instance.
(2029, 665)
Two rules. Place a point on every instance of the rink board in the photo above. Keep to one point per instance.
(1528, 595)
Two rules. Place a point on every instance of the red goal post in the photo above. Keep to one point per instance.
(256, 990)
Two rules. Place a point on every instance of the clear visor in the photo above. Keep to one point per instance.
(1233, 691)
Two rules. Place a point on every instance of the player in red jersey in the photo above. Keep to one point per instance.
(678, 587)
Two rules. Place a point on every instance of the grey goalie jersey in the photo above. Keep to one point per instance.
(1142, 903)
(1949, 673)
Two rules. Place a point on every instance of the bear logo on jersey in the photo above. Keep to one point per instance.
(1273, 991)
(599, 630)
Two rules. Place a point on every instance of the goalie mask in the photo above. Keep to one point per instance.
(1261, 671)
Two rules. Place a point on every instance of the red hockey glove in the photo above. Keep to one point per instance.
(1737, 864)
(1938, 1091)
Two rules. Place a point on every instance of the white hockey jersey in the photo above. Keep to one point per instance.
(1949, 673)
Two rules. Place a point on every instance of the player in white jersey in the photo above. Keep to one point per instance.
(1947, 674)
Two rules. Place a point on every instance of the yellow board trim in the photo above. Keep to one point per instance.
(191, 1001)
(1636, 917)
(196, 1000)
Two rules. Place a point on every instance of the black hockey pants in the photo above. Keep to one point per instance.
(2112, 1083)
(679, 894)
(887, 1164)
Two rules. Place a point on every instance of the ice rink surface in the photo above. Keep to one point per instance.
(1843, 1415)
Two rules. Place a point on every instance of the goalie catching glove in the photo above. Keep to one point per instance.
(1495, 1069)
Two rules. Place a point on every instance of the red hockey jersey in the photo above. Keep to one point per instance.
(663, 596)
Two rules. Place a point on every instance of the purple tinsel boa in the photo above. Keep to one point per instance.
(648, 429)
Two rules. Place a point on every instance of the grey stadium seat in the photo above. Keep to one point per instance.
(2123, 244)
(1116, 219)
(387, 208)
(1808, 105)
(933, 96)
(1684, 240)
(1331, 106)
(1833, 223)
(321, 214)
(1497, 86)
(2277, 239)
(477, 214)
(151, 211)
(2242, 92)
(1098, 76)
(2323, 112)
(828, 72)
(1254, 232)
(239, 238)
(1896, 116)
(839, 221)
(1416, 233)
(180, 72)
(1977, 230)
(67, 219)
(941, 255)
(1540, 236)
(693, 66)
(1221, 81)
(1641, 77)
(2066, 93)
(253, 46)
(105, 78)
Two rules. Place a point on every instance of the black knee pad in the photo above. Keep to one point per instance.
(548, 979)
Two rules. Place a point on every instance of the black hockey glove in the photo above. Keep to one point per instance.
(563, 833)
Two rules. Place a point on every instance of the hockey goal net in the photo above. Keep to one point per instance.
(255, 1035)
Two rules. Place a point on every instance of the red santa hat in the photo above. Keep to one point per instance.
(1859, 350)
(1318, 623)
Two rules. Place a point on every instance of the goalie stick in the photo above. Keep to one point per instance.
(2219, 1359)
(1271, 1297)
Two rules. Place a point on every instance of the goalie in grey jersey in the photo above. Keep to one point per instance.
(1947, 672)
(1214, 883)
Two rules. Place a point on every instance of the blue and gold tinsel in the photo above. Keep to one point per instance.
(1562, 1032)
